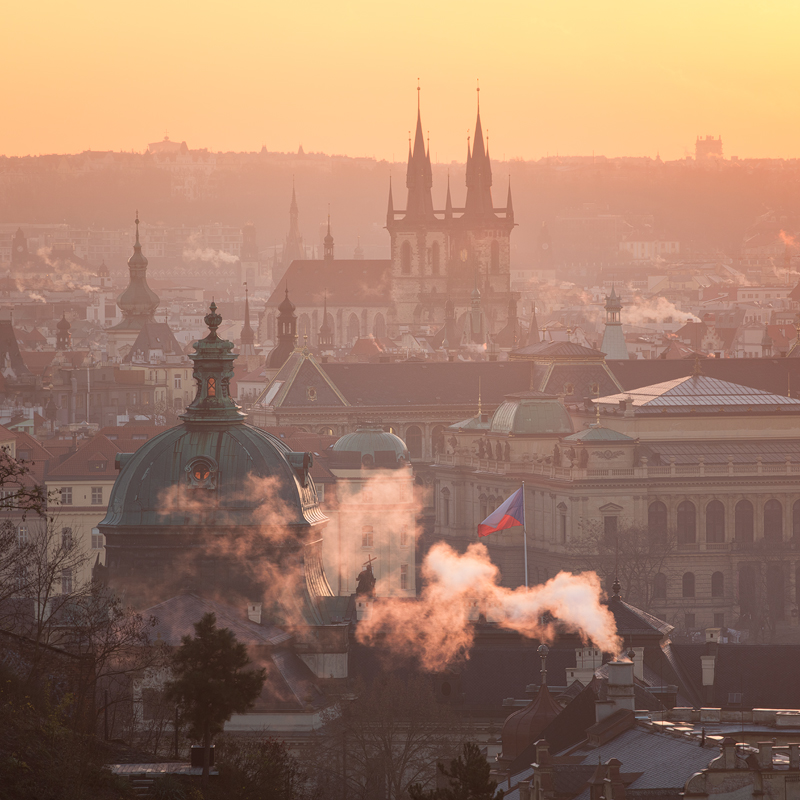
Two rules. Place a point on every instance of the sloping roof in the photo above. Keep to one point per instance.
(598, 434)
(633, 622)
(663, 760)
(93, 459)
(776, 375)
(559, 350)
(348, 282)
(154, 336)
(613, 344)
(699, 393)
(175, 618)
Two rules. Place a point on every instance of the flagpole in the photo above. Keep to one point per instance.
(525, 534)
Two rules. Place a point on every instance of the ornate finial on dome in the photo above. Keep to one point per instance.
(213, 320)
(631, 653)
(137, 226)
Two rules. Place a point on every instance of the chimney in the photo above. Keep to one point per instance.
(620, 684)
(254, 612)
(613, 788)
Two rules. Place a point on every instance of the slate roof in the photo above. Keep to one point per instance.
(348, 282)
(699, 394)
(93, 459)
(776, 375)
(665, 762)
(765, 674)
(176, 618)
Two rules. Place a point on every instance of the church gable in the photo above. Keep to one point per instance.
(311, 387)
(577, 381)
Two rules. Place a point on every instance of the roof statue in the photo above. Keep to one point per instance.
(366, 580)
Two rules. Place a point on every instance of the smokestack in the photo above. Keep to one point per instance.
(254, 612)
(619, 692)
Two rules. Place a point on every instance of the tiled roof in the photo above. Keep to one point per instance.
(93, 459)
(347, 282)
(559, 350)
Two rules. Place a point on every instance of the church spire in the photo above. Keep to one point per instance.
(390, 209)
(293, 247)
(328, 241)
(138, 300)
(509, 203)
(248, 338)
(479, 175)
(287, 332)
(448, 203)
(325, 336)
(419, 175)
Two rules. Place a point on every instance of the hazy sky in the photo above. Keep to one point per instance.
(618, 78)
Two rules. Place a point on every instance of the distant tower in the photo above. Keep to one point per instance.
(293, 246)
(358, 253)
(328, 243)
(287, 333)
(63, 336)
(613, 339)
(708, 148)
(248, 338)
(104, 276)
(325, 336)
(255, 274)
(19, 249)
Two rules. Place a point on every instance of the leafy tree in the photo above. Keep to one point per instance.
(211, 681)
(469, 776)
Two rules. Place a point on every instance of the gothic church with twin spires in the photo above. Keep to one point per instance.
(456, 257)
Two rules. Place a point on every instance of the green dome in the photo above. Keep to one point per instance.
(531, 413)
(216, 459)
(369, 447)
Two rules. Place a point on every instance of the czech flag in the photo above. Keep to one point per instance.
(507, 515)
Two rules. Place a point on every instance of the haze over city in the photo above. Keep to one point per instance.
(400, 402)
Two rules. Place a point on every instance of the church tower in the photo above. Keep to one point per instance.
(327, 243)
(614, 345)
(138, 303)
(63, 336)
(293, 249)
(287, 334)
(436, 253)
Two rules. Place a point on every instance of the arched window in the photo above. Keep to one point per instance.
(660, 587)
(687, 527)
(352, 329)
(747, 589)
(688, 584)
(775, 594)
(437, 439)
(405, 258)
(773, 521)
(717, 585)
(796, 520)
(715, 522)
(657, 521)
(435, 258)
(445, 504)
(211, 387)
(414, 441)
(495, 263)
(743, 521)
(379, 326)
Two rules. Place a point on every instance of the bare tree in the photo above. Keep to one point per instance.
(389, 736)
(629, 552)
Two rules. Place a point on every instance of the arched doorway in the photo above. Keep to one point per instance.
(379, 326)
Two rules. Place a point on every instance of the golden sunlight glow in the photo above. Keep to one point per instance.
(621, 78)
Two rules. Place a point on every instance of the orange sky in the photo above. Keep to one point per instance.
(618, 78)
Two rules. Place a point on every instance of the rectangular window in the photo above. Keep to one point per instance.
(719, 620)
(66, 538)
(610, 528)
(367, 537)
(404, 576)
(689, 623)
(97, 495)
(177, 381)
(320, 492)
(562, 527)
(66, 581)
(404, 537)
(22, 535)
(98, 540)
(66, 495)
(445, 511)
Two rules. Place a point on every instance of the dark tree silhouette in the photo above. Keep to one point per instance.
(212, 681)
(469, 779)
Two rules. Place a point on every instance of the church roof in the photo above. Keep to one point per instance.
(700, 394)
(348, 283)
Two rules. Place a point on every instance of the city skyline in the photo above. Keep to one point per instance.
(627, 82)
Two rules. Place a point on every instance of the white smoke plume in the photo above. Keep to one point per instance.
(437, 628)
(655, 310)
(216, 257)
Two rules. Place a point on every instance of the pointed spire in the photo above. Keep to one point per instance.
(419, 175)
(509, 202)
(478, 204)
(390, 208)
(448, 204)
(328, 241)
(247, 338)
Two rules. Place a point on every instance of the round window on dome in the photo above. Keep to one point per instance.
(202, 473)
